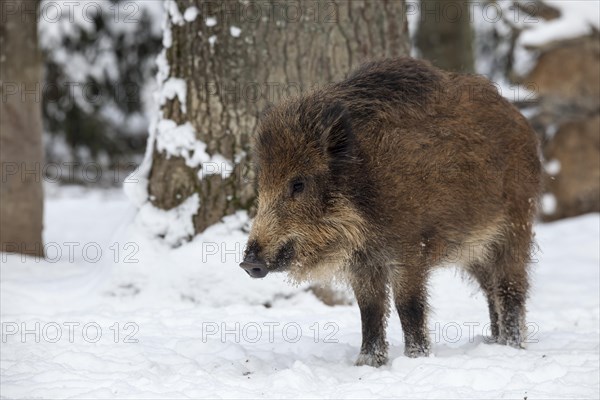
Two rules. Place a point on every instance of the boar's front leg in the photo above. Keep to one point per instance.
(410, 296)
(371, 290)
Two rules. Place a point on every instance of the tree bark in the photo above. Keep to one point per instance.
(21, 214)
(238, 56)
(445, 35)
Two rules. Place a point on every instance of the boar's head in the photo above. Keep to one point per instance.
(307, 163)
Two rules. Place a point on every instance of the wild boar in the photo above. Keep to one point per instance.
(396, 170)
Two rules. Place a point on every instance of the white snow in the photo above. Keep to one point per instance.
(175, 226)
(413, 16)
(524, 60)
(552, 167)
(577, 19)
(174, 13)
(172, 16)
(180, 140)
(235, 31)
(190, 14)
(211, 21)
(174, 87)
(548, 203)
(145, 321)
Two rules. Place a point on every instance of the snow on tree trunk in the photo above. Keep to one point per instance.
(21, 151)
(224, 62)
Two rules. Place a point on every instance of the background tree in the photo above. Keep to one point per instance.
(21, 196)
(224, 61)
(445, 34)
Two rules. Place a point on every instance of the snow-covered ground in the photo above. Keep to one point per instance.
(140, 321)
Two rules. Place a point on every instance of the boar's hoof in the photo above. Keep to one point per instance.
(416, 350)
(513, 336)
(374, 360)
(517, 343)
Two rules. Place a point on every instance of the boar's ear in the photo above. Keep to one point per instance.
(337, 137)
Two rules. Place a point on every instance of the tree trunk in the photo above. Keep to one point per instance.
(20, 130)
(445, 35)
(234, 58)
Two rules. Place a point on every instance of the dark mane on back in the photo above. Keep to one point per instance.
(377, 90)
(404, 84)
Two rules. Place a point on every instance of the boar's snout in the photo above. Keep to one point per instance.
(253, 266)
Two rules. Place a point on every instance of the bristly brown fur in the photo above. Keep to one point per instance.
(389, 173)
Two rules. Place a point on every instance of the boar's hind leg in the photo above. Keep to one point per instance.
(511, 294)
(504, 279)
(483, 274)
(410, 296)
(371, 291)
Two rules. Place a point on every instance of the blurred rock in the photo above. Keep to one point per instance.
(566, 77)
(575, 149)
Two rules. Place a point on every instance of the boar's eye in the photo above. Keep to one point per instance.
(296, 186)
